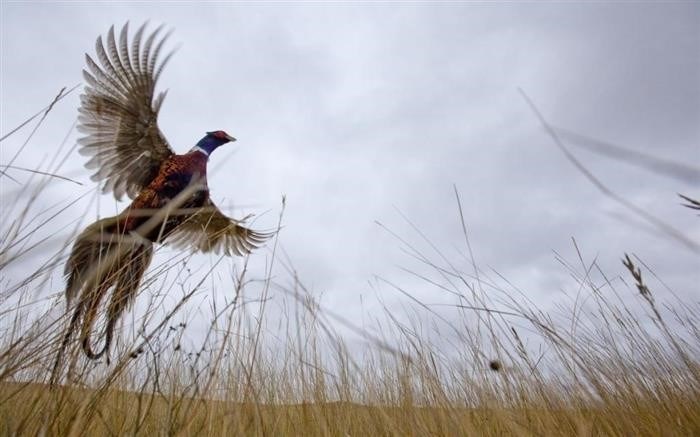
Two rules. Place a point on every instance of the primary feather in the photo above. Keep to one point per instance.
(119, 115)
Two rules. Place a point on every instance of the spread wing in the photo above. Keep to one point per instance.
(209, 230)
(118, 113)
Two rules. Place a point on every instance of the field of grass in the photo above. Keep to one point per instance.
(611, 361)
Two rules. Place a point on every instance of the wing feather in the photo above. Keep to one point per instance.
(209, 230)
(119, 109)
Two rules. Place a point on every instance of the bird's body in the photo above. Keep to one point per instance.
(174, 176)
(170, 197)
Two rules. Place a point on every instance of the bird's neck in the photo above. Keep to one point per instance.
(200, 150)
(206, 145)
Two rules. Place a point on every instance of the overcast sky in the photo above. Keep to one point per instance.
(358, 111)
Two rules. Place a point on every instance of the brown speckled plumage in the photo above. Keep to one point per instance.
(170, 198)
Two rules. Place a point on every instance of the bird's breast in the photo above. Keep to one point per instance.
(178, 174)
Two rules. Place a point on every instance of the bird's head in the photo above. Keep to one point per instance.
(214, 139)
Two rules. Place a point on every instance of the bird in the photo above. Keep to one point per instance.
(170, 202)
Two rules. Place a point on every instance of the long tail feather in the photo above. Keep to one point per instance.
(103, 257)
(56, 371)
(132, 265)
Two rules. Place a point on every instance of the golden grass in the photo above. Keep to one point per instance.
(33, 410)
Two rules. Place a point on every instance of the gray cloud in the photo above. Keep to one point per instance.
(355, 110)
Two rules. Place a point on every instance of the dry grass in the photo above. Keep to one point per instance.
(611, 360)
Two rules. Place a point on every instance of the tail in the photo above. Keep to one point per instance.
(104, 256)
(56, 371)
(130, 268)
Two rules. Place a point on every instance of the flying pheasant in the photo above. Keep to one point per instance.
(170, 199)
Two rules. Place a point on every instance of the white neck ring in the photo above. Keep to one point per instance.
(199, 149)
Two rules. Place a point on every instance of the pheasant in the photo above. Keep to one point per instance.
(170, 198)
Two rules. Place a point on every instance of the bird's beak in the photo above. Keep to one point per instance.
(230, 138)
